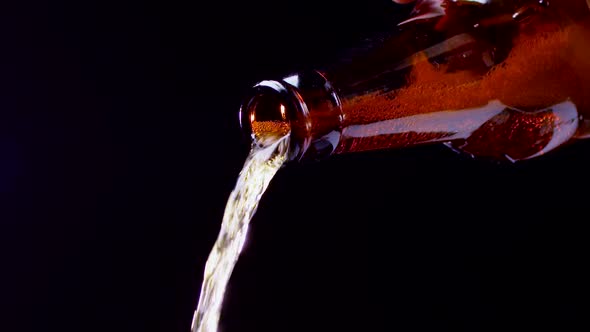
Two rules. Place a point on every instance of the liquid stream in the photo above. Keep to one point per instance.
(264, 160)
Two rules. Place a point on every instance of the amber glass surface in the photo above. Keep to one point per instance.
(505, 80)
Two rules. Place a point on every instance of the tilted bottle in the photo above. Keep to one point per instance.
(499, 79)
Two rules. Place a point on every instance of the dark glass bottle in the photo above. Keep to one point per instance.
(498, 79)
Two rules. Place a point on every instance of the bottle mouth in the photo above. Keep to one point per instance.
(274, 110)
(304, 106)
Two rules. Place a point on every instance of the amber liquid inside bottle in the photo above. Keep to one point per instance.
(507, 80)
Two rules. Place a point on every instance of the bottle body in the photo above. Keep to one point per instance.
(495, 79)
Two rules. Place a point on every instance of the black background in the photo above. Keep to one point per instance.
(120, 143)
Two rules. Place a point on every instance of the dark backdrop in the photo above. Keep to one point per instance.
(120, 143)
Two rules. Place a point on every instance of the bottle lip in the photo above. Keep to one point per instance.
(285, 114)
(304, 105)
